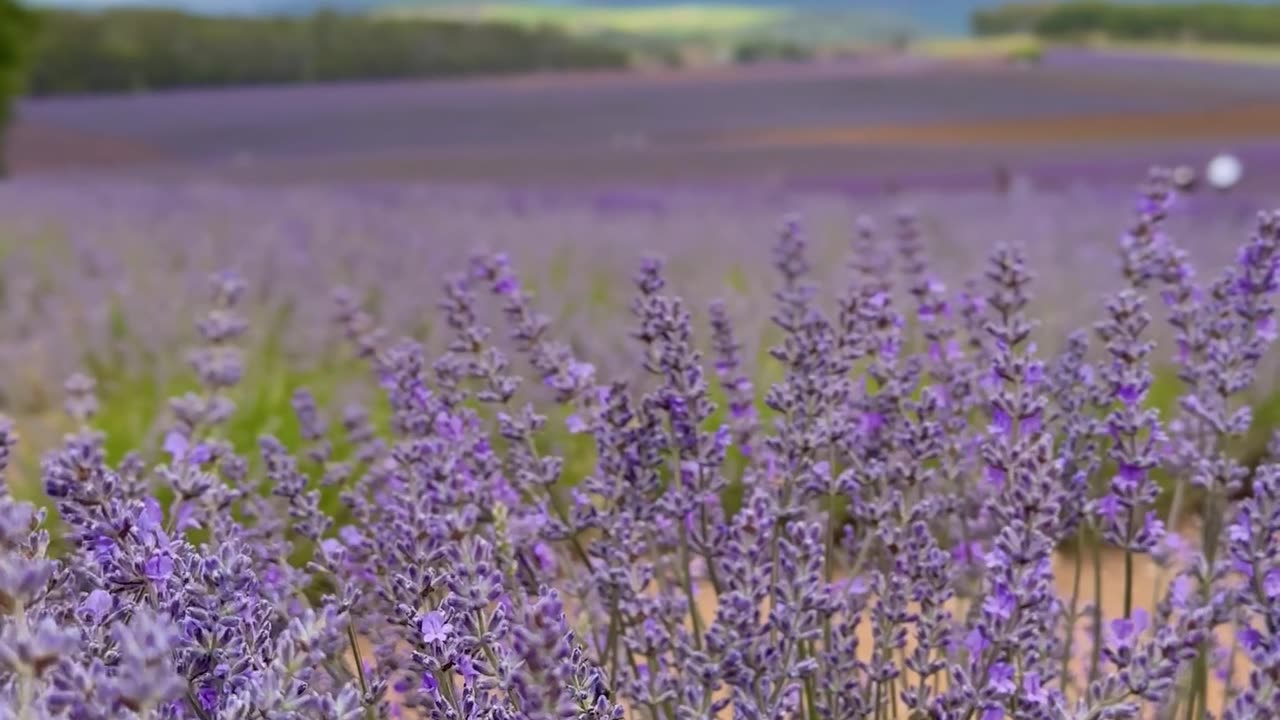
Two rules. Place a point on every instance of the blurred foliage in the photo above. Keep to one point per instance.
(137, 49)
(1014, 47)
(689, 33)
(754, 51)
(1233, 22)
(1020, 17)
(16, 26)
(684, 19)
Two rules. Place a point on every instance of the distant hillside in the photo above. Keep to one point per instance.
(943, 16)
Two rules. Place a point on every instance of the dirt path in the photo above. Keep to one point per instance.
(1246, 122)
(34, 148)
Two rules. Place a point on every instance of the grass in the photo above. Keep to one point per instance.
(977, 48)
(676, 20)
(1235, 53)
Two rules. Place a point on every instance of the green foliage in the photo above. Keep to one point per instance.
(16, 26)
(136, 49)
(1028, 54)
(1018, 17)
(754, 51)
(1225, 22)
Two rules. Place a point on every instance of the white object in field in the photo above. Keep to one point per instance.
(1184, 177)
(1224, 171)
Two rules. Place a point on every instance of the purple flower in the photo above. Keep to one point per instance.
(1000, 678)
(96, 606)
(434, 628)
(1001, 420)
(175, 444)
(467, 668)
(1126, 630)
(975, 642)
(185, 516)
(968, 553)
(1033, 690)
(1271, 584)
(351, 536)
(1108, 507)
(1180, 591)
(207, 696)
(996, 475)
(333, 549)
(1000, 603)
(1250, 638)
(151, 519)
(159, 567)
(546, 557)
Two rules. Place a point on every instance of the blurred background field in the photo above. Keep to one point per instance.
(864, 95)
(376, 144)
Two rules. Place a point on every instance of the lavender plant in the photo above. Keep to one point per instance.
(923, 491)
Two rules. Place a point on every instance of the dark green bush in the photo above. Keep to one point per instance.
(754, 51)
(1209, 21)
(1018, 17)
(16, 26)
(135, 49)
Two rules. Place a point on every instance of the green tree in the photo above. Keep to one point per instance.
(16, 28)
(133, 49)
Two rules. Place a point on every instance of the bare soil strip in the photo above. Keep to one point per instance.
(1246, 121)
(38, 148)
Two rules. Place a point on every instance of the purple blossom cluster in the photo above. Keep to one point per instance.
(870, 532)
(104, 275)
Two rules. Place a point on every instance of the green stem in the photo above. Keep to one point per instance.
(1228, 692)
(1200, 675)
(1096, 650)
(446, 684)
(364, 684)
(687, 577)
(611, 645)
(810, 693)
(1075, 610)
(707, 555)
(1191, 697)
(1128, 582)
(1174, 523)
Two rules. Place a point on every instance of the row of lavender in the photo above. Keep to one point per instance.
(905, 486)
(115, 271)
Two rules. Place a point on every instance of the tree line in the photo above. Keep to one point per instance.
(1232, 22)
(16, 26)
(146, 49)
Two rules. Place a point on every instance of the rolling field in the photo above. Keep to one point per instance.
(915, 120)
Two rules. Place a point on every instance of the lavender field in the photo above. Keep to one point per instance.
(311, 413)
(863, 123)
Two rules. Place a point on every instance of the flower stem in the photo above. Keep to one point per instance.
(1075, 609)
(1097, 611)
